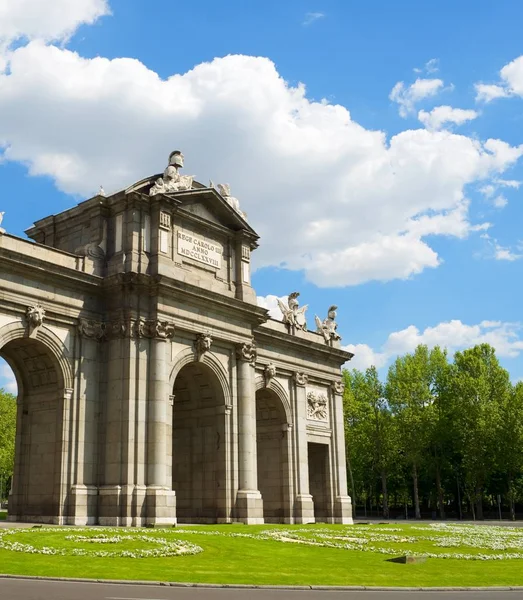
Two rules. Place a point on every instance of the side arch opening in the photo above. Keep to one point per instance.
(36, 484)
(272, 456)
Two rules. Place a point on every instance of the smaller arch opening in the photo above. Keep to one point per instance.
(272, 456)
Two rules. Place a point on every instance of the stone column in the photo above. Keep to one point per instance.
(249, 503)
(304, 505)
(161, 500)
(84, 492)
(342, 501)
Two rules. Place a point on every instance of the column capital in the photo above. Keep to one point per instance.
(246, 351)
(153, 328)
(301, 379)
(337, 387)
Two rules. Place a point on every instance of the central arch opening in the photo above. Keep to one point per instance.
(35, 489)
(198, 445)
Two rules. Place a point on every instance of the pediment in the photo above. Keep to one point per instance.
(203, 202)
(208, 205)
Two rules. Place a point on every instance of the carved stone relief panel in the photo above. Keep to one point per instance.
(317, 406)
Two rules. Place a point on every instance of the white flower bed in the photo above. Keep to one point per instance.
(492, 543)
(164, 547)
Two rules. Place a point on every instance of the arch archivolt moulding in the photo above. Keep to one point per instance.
(18, 330)
(187, 356)
(279, 390)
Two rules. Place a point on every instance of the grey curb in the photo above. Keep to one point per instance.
(243, 586)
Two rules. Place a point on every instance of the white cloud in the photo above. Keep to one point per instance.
(270, 302)
(500, 201)
(511, 83)
(512, 75)
(56, 20)
(364, 357)
(487, 92)
(431, 66)
(502, 253)
(311, 17)
(407, 97)
(454, 335)
(7, 378)
(441, 115)
(341, 202)
(499, 252)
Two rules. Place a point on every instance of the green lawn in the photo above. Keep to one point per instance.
(227, 559)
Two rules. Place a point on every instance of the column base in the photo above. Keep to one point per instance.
(110, 498)
(84, 504)
(343, 510)
(304, 509)
(249, 507)
(161, 506)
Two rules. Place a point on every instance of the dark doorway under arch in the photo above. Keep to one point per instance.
(272, 456)
(198, 445)
(35, 491)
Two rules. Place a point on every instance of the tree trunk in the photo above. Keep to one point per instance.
(512, 508)
(479, 503)
(440, 493)
(385, 495)
(417, 512)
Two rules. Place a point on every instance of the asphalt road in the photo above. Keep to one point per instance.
(24, 589)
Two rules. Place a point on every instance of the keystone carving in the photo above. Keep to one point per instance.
(301, 379)
(35, 315)
(202, 344)
(269, 373)
(246, 351)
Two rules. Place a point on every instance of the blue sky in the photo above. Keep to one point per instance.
(377, 147)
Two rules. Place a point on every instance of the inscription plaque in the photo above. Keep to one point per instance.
(200, 249)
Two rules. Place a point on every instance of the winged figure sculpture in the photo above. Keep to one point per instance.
(293, 314)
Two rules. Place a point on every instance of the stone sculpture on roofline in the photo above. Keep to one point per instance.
(328, 326)
(172, 181)
(293, 315)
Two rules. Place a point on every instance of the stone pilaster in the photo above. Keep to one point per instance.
(342, 501)
(304, 505)
(161, 499)
(249, 503)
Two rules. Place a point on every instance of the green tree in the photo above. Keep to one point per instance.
(7, 435)
(371, 432)
(480, 389)
(412, 389)
(510, 443)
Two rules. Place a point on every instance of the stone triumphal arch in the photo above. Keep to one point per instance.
(151, 387)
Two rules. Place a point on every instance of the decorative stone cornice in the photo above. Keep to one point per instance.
(119, 328)
(301, 379)
(337, 387)
(246, 351)
(202, 344)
